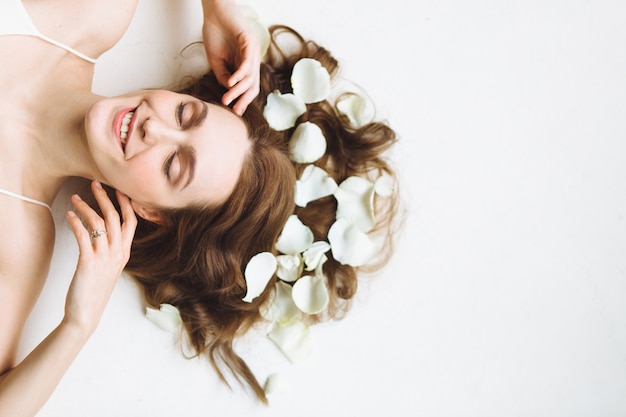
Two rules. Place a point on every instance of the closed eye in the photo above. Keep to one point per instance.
(167, 165)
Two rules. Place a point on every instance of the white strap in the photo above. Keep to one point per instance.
(21, 197)
(67, 48)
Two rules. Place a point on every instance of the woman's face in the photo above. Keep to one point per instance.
(166, 150)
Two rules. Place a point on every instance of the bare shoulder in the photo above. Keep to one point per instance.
(91, 26)
(25, 250)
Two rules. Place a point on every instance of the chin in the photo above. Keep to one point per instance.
(95, 118)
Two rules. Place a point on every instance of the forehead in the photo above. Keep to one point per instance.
(221, 145)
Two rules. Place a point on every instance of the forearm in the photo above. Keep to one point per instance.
(25, 388)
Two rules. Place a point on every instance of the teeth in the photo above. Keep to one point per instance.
(124, 128)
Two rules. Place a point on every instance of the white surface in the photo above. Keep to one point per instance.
(507, 295)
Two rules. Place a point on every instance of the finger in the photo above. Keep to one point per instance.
(94, 221)
(248, 92)
(247, 69)
(111, 216)
(236, 91)
(129, 224)
(245, 91)
(241, 73)
(221, 71)
(249, 57)
(249, 83)
(243, 102)
(80, 233)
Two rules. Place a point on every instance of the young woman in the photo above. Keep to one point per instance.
(200, 188)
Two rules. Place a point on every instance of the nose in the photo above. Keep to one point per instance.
(153, 130)
(157, 132)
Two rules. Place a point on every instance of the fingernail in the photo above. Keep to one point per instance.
(77, 197)
(97, 184)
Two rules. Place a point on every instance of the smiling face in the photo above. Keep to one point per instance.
(166, 150)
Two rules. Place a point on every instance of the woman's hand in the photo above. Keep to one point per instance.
(104, 250)
(233, 52)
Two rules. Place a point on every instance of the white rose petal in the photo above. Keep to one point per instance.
(353, 107)
(315, 254)
(289, 267)
(282, 110)
(349, 245)
(259, 271)
(314, 183)
(293, 339)
(260, 30)
(307, 144)
(167, 317)
(319, 269)
(295, 237)
(310, 294)
(355, 201)
(383, 186)
(310, 80)
(276, 384)
(281, 308)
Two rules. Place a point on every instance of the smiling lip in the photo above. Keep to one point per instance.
(117, 125)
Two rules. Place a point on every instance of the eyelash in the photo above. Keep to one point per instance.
(168, 164)
(170, 158)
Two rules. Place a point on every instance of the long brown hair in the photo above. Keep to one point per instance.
(195, 258)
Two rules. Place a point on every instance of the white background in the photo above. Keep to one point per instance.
(507, 293)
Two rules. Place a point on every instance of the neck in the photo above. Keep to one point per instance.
(61, 146)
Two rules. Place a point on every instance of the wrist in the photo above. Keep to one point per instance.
(208, 6)
(76, 330)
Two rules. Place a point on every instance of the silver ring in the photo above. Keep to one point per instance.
(97, 233)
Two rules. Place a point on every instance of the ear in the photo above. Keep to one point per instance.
(147, 213)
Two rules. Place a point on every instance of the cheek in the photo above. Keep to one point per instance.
(142, 180)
